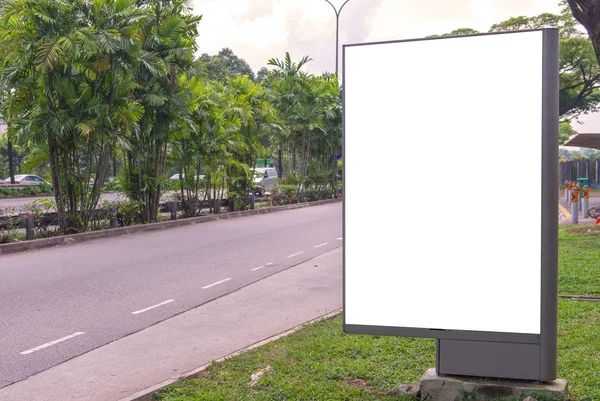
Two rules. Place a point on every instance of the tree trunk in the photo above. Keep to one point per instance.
(280, 161)
(587, 12)
(11, 163)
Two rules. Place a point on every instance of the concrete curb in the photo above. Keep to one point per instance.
(113, 232)
(148, 394)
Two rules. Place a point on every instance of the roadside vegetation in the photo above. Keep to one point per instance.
(97, 88)
(31, 190)
(320, 362)
(578, 261)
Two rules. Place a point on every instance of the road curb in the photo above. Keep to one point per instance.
(113, 232)
(148, 394)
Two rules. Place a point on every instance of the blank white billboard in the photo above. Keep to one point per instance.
(441, 230)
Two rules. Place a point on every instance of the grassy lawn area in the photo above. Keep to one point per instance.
(578, 263)
(321, 363)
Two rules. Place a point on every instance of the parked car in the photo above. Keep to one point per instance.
(265, 177)
(175, 177)
(26, 179)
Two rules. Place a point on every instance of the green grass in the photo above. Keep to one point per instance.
(315, 363)
(579, 348)
(320, 363)
(578, 263)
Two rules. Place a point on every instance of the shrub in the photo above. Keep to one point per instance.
(9, 223)
(41, 209)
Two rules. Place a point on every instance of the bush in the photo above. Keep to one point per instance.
(289, 194)
(9, 221)
(128, 212)
(41, 209)
(32, 190)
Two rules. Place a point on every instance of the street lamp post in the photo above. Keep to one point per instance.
(337, 32)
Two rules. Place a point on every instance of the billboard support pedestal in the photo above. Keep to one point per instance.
(434, 387)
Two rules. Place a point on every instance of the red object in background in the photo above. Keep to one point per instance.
(598, 220)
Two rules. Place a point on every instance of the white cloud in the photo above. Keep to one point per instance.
(258, 30)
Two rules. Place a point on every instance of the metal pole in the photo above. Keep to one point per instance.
(586, 201)
(567, 190)
(337, 47)
(29, 225)
(337, 26)
(574, 205)
(173, 210)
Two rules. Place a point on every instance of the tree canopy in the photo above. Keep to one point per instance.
(226, 64)
(89, 83)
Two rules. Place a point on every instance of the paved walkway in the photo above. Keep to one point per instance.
(165, 351)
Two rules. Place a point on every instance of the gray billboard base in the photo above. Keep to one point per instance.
(447, 388)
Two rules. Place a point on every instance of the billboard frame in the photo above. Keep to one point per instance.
(547, 339)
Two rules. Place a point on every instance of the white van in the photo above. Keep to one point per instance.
(265, 177)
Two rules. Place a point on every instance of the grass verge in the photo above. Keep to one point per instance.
(578, 262)
(320, 362)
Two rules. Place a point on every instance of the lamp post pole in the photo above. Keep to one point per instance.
(337, 32)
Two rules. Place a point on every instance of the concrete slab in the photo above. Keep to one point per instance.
(450, 388)
(168, 350)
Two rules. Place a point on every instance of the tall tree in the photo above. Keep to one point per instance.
(226, 64)
(65, 78)
(579, 70)
(167, 53)
(587, 12)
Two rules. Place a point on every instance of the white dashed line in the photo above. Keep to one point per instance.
(217, 283)
(320, 245)
(339, 239)
(260, 267)
(295, 254)
(60, 340)
(137, 312)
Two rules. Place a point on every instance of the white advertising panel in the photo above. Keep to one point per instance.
(443, 183)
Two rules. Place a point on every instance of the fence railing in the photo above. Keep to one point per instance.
(572, 170)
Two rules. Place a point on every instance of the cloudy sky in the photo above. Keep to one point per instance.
(258, 30)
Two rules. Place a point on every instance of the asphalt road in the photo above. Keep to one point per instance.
(19, 202)
(61, 302)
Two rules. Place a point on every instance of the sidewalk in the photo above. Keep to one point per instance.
(161, 353)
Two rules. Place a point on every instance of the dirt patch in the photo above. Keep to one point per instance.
(584, 230)
(362, 384)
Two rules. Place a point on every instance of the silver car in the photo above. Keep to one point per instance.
(26, 179)
(265, 178)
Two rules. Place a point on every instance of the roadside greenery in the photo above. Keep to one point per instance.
(31, 190)
(89, 84)
(320, 362)
(578, 262)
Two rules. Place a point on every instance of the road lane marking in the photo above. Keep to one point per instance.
(260, 267)
(339, 239)
(217, 283)
(323, 244)
(51, 343)
(295, 254)
(137, 312)
(564, 211)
